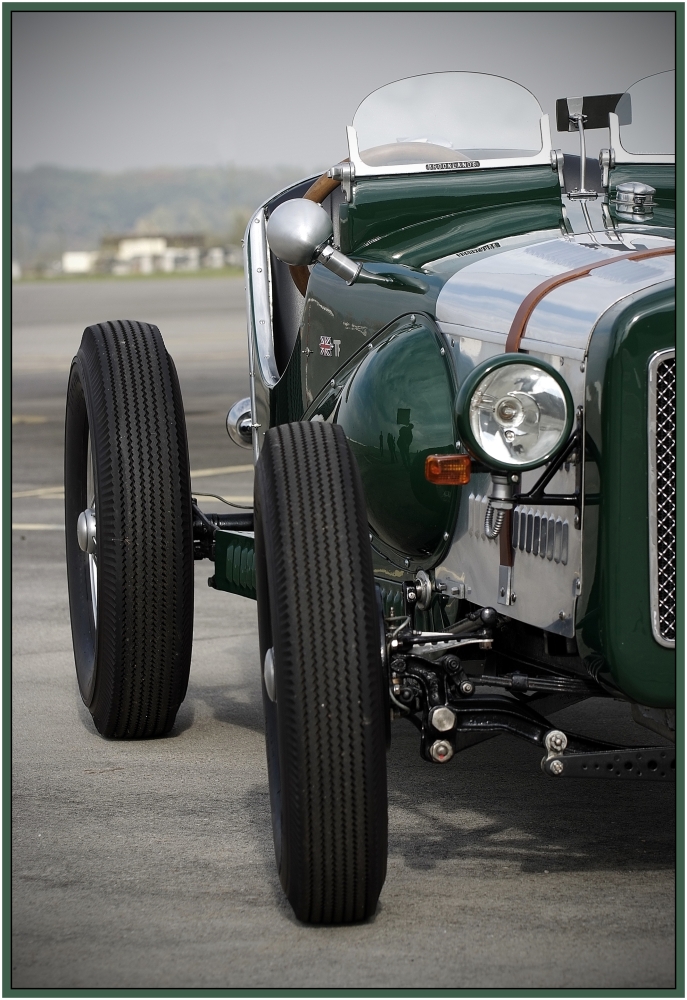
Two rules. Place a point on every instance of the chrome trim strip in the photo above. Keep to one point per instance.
(260, 348)
(258, 313)
(622, 156)
(365, 170)
(654, 362)
(251, 341)
(262, 305)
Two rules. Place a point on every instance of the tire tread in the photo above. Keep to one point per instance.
(333, 762)
(145, 545)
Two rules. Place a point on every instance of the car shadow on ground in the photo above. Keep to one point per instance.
(493, 804)
(490, 807)
(231, 704)
(493, 810)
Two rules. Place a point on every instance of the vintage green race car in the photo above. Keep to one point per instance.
(462, 413)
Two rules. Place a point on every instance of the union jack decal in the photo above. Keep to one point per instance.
(326, 347)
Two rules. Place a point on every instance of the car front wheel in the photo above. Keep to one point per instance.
(323, 685)
(129, 533)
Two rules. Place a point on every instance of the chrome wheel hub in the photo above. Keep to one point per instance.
(85, 531)
(268, 674)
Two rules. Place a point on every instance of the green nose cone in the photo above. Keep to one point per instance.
(397, 410)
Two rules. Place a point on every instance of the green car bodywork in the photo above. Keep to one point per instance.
(614, 626)
(412, 220)
(392, 387)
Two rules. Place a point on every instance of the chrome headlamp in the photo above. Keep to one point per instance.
(514, 412)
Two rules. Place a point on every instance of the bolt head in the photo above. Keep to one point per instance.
(467, 687)
(406, 562)
(441, 751)
(555, 741)
(556, 767)
(442, 718)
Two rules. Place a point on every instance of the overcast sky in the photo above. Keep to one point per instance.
(120, 90)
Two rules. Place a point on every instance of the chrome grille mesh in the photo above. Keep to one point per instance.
(665, 497)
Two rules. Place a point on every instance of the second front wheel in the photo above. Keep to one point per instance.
(129, 531)
(323, 684)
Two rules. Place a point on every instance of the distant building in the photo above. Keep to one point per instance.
(234, 256)
(144, 254)
(139, 254)
(214, 258)
(134, 254)
(79, 261)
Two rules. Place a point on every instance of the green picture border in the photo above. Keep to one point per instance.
(8, 8)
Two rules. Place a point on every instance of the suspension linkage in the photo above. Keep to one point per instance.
(205, 526)
(404, 641)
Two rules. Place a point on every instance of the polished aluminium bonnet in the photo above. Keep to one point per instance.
(475, 310)
(481, 299)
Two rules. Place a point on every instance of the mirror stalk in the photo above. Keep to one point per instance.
(353, 273)
(578, 120)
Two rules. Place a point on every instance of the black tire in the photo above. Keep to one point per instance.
(326, 731)
(132, 626)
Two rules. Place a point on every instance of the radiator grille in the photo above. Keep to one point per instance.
(663, 485)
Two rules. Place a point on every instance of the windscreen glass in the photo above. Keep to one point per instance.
(649, 105)
(442, 117)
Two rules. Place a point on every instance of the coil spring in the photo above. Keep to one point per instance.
(493, 519)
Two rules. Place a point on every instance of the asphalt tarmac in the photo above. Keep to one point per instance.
(150, 865)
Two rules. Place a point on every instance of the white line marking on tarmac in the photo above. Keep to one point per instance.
(49, 492)
(57, 492)
(37, 527)
(223, 471)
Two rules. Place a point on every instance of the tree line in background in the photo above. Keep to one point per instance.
(56, 210)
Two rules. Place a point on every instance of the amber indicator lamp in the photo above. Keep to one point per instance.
(448, 470)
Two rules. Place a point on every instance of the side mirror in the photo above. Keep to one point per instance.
(298, 230)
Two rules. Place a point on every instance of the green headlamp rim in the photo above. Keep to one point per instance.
(467, 390)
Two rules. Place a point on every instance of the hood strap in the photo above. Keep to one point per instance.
(533, 298)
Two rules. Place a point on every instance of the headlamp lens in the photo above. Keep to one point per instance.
(518, 414)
